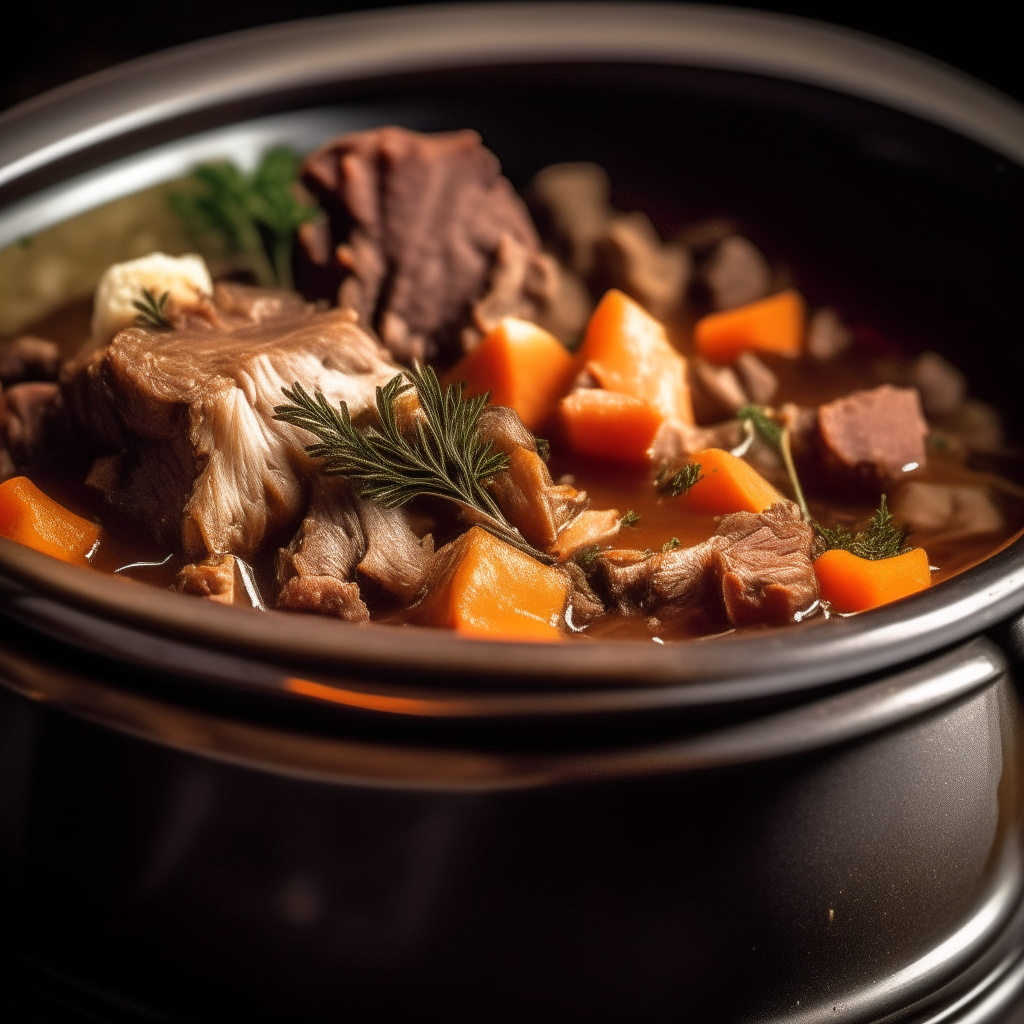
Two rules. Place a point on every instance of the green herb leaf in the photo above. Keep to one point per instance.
(543, 447)
(255, 215)
(671, 544)
(757, 419)
(151, 309)
(883, 537)
(630, 518)
(586, 558)
(681, 482)
(445, 458)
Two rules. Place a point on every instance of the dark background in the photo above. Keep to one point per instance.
(57, 41)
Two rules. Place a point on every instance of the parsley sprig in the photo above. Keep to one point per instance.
(446, 457)
(756, 420)
(254, 215)
(680, 482)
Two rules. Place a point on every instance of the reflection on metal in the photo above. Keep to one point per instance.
(248, 578)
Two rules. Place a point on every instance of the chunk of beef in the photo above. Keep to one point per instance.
(946, 511)
(630, 256)
(421, 231)
(736, 273)
(36, 429)
(716, 390)
(870, 438)
(606, 248)
(573, 206)
(344, 538)
(827, 335)
(759, 380)
(755, 569)
(221, 578)
(552, 517)
(182, 421)
(28, 358)
(942, 387)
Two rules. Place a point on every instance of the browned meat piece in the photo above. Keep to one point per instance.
(36, 433)
(759, 381)
(28, 358)
(630, 256)
(420, 229)
(221, 578)
(552, 517)
(716, 391)
(573, 206)
(323, 595)
(827, 335)
(974, 427)
(942, 387)
(756, 569)
(946, 511)
(181, 421)
(873, 437)
(583, 605)
(737, 273)
(342, 536)
(675, 442)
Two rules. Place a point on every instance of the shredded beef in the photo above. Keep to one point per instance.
(182, 426)
(424, 239)
(755, 569)
(872, 437)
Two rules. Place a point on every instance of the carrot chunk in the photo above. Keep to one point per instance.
(728, 485)
(31, 518)
(775, 324)
(608, 425)
(482, 586)
(522, 366)
(853, 584)
(626, 350)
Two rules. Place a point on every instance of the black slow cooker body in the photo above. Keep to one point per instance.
(199, 821)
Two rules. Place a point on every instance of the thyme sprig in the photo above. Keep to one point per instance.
(757, 420)
(446, 457)
(151, 309)
(883, 537)
(254, 215)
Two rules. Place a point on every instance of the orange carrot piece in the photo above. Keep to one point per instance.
(626, 350)
(728, 485)
(484, 587)
(853, 584)
(31, 518)
(522, 366)
(775, 325)
(607, 425)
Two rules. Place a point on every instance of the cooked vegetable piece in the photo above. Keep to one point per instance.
(482, 586)
(32, 518)
(853, 584)
(775, 325)
(728, 484)
(608, 425)
(626, 350)
(522, 366)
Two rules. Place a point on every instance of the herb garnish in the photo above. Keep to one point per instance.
(255, 215)
(681, 482)
(543, 447)
(671, 544)
(445, 458)
(151, 309)
(755, 419)
(630, 518)
(883, 537)
(586, 558)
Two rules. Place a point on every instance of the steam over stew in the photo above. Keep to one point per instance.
(450, 419)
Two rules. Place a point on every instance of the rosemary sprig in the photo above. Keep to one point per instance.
(678, 483)
(446, 457)
(254, 215)
(883, 537)
(755, 419)
(151, 309)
